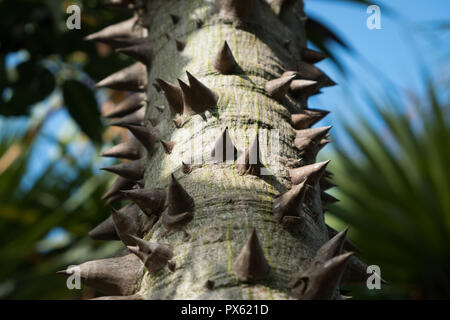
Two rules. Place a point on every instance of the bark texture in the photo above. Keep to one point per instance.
(228, 206)
(220, 69)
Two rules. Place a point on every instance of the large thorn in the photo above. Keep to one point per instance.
(323, 143)
(310, 72)
(312, 173)
(154, 255)
(304, 87)
(244, 10)
(312, 56)
(308, 141)
(313, 133)
(147, 136)
(173, 95)
(251, 264)
(290, 73)
(348, 244)
(197, 98)
(132, 78)
(307, 117)
(151, 201)
(136, 119)
(224, 61)
(167, 146)
(279, 87)
(132, 170)
(180, 209)
(141, 52)
(124, 29)
(119, 184)
(179, 200)
(125, 150)
(320, 280)
(113, 276)
(128, 106)
(224, 149)
(105, 230)
(127, 221)
(249, 162)
(287, 203)
(332, 247)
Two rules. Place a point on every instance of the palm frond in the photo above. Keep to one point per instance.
(395, 191)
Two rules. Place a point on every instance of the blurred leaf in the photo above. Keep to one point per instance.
(398, 197)
(64, 193)
(321, 36)
(82, 106)
(2, 72)
(34, 83)
(318, 33)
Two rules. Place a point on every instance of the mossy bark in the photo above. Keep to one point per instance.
(228, 205)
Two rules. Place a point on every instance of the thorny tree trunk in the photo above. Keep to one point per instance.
(234, 233)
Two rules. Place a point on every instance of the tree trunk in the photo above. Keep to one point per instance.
(243, 216)
(227, 205)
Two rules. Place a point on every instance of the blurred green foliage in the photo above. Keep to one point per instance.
(56, 57)
(46, 211)
(56, 199)
(394, 187)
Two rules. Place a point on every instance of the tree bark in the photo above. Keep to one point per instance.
(228, 205)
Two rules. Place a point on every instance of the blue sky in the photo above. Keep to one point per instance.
(391, 59)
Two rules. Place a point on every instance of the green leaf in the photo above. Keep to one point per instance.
(394, 189)
(82, 106)
(321, 36)
(319, 33)
(34, 83)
